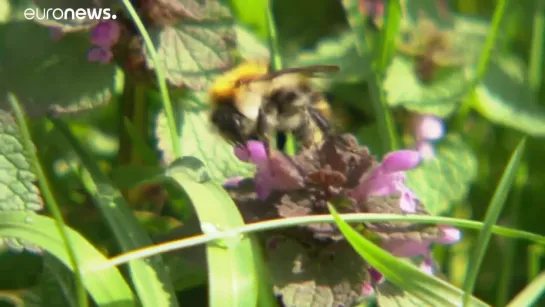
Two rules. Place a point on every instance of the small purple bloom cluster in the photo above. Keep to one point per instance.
(427, 129)
(103, 37)
(371, 187)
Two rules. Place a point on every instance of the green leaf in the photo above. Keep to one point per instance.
(444, 179)
(418, 284)
(17, 189)
(196, 48)
(149, 276)
(404, 88)
(156, 224)
(199, 139)
(252, 14)
(106, 286)
(464, 38)
(231, 263)
(339, 51)
(56, 287)
(17, 179)
(491, 218)
(332, 278)
(250, 46)
(130, 176)
(504, 97)
(389, 295)
(28, 65)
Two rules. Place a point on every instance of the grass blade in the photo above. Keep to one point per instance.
(163, 89)
(492, 214)
(107, 287)
(232, 275)
(48, 196)
(535, 66)
(387, 46)
(531, 293)
(425, 287)
(150, 278)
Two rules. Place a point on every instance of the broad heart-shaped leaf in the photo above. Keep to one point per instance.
(195, 49)
(231, 266)
(404, 88)
(249, 45)
(62, 13)
(505, 98)
(445, 178)
(44, 73)
(18, 191)
(440, 96)
(339, 51)
(330, 278)
(200, 140)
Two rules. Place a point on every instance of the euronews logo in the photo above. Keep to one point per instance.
(69, 14)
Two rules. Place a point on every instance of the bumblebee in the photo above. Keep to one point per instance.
(253, 102)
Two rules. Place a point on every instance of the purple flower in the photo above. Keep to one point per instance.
(97, 54)
(105, 34)
(426, 150)
(388, 178)
(269, 174)
(428, 127)
(56, 33)
(403, 247)
(375, 278)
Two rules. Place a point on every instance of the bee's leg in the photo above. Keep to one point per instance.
(320, 121)
(262, 131)
(314, 129)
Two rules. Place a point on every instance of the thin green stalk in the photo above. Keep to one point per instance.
(482, 63)
(385, 123)
(47, 194)
(382, 57)
(303, 220)
(535, 70)
(535, 253)
(491, 38)
(509, 257)
(277, 64)
(161, 81)
(273, 38)
(492, 213)
(530, 294)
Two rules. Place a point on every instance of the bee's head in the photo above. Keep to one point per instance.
(230, 123)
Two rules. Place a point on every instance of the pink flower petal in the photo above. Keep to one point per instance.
(400, 160)
(97, 54)
(367, 289)
(105, 34)
(242, 153)
(429, 127)
(426, 150)
(426, 266)
(56, 33)
(450, 235)
(233, 182)
(407, 202)
(406, 248)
